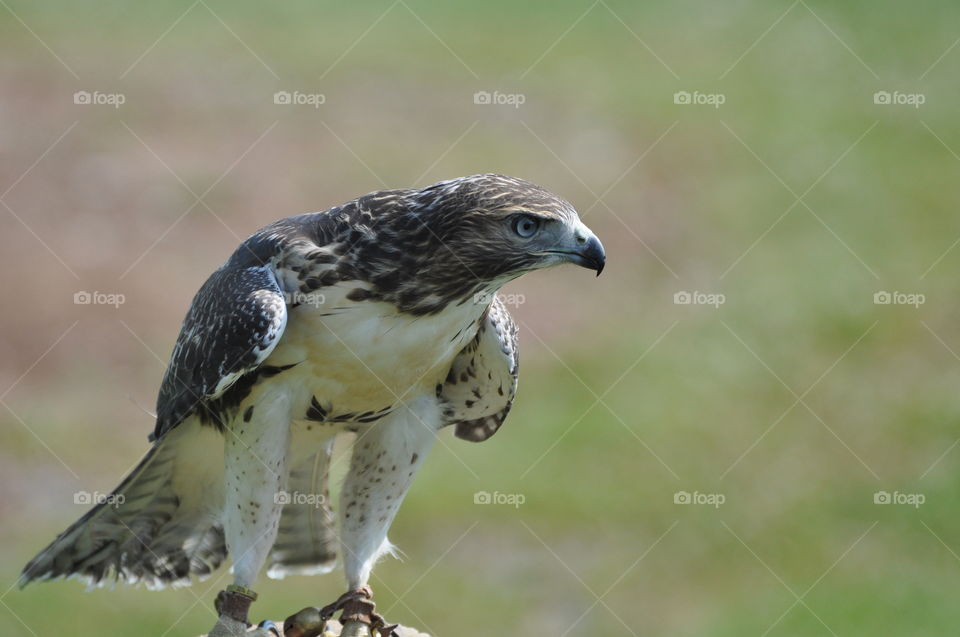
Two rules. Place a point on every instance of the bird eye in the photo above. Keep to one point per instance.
(526, 226)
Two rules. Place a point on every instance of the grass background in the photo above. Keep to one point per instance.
(797, 399)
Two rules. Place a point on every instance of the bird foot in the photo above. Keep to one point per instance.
(355, 607)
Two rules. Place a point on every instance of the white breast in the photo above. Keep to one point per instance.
(364, 356)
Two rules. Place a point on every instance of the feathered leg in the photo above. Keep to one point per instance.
(384, 461)
(382, 466)
(256, 448)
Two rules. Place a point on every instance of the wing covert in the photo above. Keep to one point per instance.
(479, 389)
(235, 321)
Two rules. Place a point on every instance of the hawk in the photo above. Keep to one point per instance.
(377, 318)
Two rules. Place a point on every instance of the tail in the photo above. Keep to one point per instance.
(306, 542)
(159, 527)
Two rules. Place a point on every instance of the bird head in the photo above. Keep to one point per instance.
(423, 249)
(498, 227)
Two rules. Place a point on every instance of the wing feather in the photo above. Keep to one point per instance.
(479, 389)
(234, 322)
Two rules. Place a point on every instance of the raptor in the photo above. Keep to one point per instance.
(378, 320)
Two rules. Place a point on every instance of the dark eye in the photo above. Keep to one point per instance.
(526, 226)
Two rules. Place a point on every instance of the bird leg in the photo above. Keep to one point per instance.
(360, 608)
(255, 453)
(234, 602)
(383, 462)
(355, 607)
(232, 606)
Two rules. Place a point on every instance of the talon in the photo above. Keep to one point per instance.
(358, 596)
(385, 630)
(356, 606)
(379, 625)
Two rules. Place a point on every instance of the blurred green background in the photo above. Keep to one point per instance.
(798, 199)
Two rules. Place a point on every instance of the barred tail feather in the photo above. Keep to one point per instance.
(306, 542)
(160, 527)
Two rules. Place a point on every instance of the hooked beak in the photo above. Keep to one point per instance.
(590, 255)
(582, 248)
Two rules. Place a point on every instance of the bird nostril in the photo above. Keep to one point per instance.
(581, 239)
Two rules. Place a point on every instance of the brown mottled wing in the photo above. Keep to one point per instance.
(479, 389)
(234, 322)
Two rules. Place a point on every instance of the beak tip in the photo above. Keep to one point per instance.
(596, 254)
